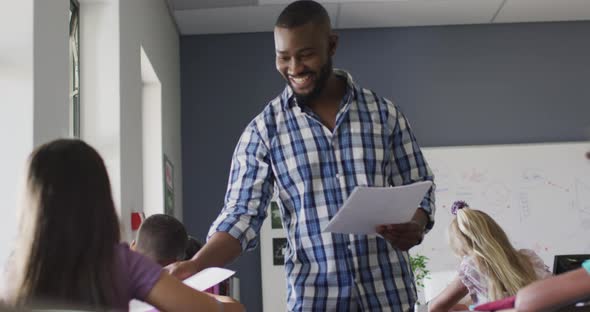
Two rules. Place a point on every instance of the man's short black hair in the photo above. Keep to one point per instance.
(162, 237)
(301, 12)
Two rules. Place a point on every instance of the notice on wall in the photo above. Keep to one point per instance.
(168, 186)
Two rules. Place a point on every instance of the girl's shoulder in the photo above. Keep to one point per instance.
(132, 261)
(473, 279)
(467, 262)
(138, 272)
(539, 265)
(528, 252)
(531, 255)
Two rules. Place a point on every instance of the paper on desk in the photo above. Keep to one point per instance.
(368, 207)
(201, 281)
(140, 306)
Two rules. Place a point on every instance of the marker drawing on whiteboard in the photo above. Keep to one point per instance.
(582, 196)
(559, 187)
(523, 200)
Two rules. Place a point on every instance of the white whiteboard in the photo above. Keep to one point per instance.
(274, 280)
(539, 194)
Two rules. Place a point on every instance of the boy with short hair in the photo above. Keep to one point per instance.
(162, 238)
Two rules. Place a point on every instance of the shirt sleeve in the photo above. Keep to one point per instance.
(409, 165)
(465, 272)
(475, 283)
(249, 191)
(143, 273)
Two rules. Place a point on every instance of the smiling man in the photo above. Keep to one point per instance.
(313, 144)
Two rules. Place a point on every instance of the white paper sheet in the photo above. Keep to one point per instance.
(208, 278)
(201, 281)
(140, 306)
(368, 207)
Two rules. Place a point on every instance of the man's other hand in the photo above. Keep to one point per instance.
(402, 236)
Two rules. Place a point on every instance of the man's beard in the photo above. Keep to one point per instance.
(325, 72)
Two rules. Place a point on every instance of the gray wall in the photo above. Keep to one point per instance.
(458, 85)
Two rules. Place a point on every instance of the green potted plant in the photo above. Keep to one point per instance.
(418, 263)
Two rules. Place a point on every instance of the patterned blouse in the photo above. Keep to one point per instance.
(476, 282)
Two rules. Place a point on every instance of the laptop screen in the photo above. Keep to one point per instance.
(565, 263)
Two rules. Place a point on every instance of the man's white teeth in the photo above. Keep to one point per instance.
(300, 79)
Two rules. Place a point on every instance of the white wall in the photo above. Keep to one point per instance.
(147, 24)
(151, 107)
(16, 111)
(113, 32)
(51, 68)
(34, 84)
(34, 90)
(100, 85)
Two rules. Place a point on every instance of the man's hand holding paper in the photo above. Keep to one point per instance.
(404, 236)
(388, 211)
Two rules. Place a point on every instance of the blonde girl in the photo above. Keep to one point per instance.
(491, 268)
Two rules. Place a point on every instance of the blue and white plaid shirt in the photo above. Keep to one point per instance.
(288, 150)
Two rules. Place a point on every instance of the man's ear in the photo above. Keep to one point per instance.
(133, 245)
(332, 43)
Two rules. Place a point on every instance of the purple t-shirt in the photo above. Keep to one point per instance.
(137, 276)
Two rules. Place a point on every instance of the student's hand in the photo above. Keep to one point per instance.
(233, 307)
(182, 269)
(402, 236)
(229, 304)
(170, 294)
(448, 299)
(460, 307)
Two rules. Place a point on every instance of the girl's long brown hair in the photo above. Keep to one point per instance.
(68, 229)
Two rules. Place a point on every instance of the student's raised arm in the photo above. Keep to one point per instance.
(170, 294)
(220, 250)
(249, 190)
(554, 292)
(449, 297)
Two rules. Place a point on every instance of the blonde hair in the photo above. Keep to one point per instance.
(474, 233)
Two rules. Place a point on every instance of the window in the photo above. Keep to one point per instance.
(74, 68)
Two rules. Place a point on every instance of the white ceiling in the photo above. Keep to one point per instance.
(240, 16)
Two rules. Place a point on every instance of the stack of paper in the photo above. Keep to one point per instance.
(368, 207)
